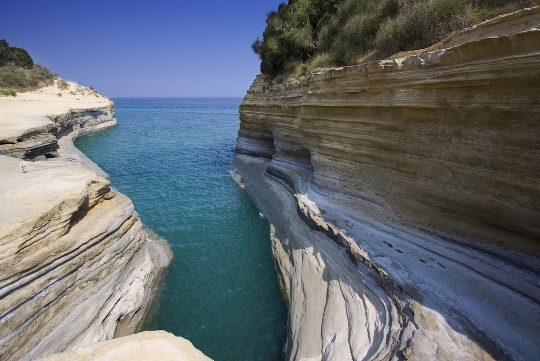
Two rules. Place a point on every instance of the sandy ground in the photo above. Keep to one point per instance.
(29, 110)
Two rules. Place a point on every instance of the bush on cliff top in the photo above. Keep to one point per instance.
(16, 56)
(307, 35)
(18, 73)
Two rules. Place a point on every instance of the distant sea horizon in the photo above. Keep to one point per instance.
(175, 97)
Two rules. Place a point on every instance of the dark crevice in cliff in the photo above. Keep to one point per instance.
(258, 142)
(243, 151)
(79, 214)
(280, 177)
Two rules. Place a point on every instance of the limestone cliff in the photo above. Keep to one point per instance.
(404, 198)
(76, 265)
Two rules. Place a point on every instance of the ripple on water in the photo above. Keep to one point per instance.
(171, 157)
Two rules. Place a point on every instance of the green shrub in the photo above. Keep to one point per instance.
(5, 55)
(16, 56)
(7, 92)
(323, 60)
(21, 58)
(62, 84)
(352, 31)
(291, 33)
(420, 25)
(18, 73)
(303, 35)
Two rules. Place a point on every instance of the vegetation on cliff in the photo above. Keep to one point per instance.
(304, 36)
(18, 73)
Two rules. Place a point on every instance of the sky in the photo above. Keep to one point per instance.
(143, 48)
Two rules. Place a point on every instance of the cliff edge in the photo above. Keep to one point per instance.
(404, 199)
(143, 346)
(76, 265)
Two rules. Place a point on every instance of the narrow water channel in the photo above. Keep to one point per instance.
(171, 157)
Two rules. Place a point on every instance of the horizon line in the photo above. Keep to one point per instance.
(176, 97)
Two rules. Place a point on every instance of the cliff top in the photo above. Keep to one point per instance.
(149, 345)
(503, 25)
(307, 36)
(42, 189)
(29, 110)
(523, 24)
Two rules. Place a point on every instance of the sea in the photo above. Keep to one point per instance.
(171, 156)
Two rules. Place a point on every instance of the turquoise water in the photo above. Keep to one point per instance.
(171, 157)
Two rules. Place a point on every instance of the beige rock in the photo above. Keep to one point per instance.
(76, 265)
(31, 122)
(41, 103)
(404, 196)
(144, 346)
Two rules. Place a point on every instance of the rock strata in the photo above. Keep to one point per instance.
(32, 122)
(76, 264)
(404, 198)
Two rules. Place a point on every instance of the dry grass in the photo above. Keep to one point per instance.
(16, 79)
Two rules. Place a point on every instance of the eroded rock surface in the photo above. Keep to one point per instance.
(76, 265)
(32, 122)
(144, 346)
(404, 198)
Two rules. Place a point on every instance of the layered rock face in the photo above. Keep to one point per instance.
(404, 198)
(42, 142)
(76, 265)
(32, 122)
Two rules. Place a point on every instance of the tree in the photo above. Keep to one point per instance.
(10, 54)
(21, 58)
(4, 52)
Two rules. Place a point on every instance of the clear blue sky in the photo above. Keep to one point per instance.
(143, 48)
